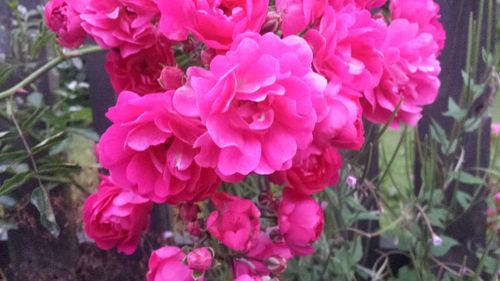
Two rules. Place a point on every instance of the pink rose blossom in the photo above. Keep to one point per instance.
(167, 264)
(495, 129)
(342, 127)
(363, 4)
(298, 14)
(123, 24)
(345, 47)
(411, 70)
(215, 23)
(257, 104)
(300, 220)
(141, 71)
(423, 12)
(235, 222)
(148, 149)
(63, 20)
(115, 217)
(200, 259)
(263, 250)
(313, 170)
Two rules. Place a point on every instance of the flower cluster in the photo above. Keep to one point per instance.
(218, 91)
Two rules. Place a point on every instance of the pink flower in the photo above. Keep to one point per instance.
(411, 72)
(215, 23)
(313, 170)
(298, 14)
(345, 47)
(149, 149)
(300, 220)
(115, 217)
(62, 19)
(261, 258)
(235, 222)
(167, 264)
(351, 181)
(495, 129)
(342, 126)
(363, 4)
(200, 259)
(141, 71)
(257, 104)
(123, 24)
(424, 12)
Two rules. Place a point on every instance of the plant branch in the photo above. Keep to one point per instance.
(48, 66)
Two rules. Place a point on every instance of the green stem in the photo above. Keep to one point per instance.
(48, 66)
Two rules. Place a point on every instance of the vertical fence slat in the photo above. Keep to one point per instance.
(469, 229)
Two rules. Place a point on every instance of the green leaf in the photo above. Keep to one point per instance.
(6, 71)
(63, 168)
(472, 124)
(40, 199)
(41, 41)
(437, 216)
(14, 182)
(468, 178)
(46, 143)
(87, 133)
(8, 158)
(448, 243)
(34, 118)
(438, 133)
(454, 111)
(464, 199)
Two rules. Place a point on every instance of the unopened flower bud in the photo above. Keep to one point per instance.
(276, 264)
(171, 77)
(436, 240)
(272, 23)
(200, 259)
(193, 228)
(189, 211)
(351, 181)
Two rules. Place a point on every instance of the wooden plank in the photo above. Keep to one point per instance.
(469, 229)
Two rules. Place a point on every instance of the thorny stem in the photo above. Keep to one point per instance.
(48, 66)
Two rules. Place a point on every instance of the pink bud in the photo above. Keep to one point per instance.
(497, 198)
(495, 129)
(189, 211)
(276, 264)
(200, 259)
(272, 23)
(171, 77)
(351, 181)
(193, 228)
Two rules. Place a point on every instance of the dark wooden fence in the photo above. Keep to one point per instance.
(59, 257)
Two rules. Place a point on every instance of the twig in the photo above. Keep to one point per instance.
(48, 66)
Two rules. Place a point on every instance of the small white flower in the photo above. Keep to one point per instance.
(436, 240)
